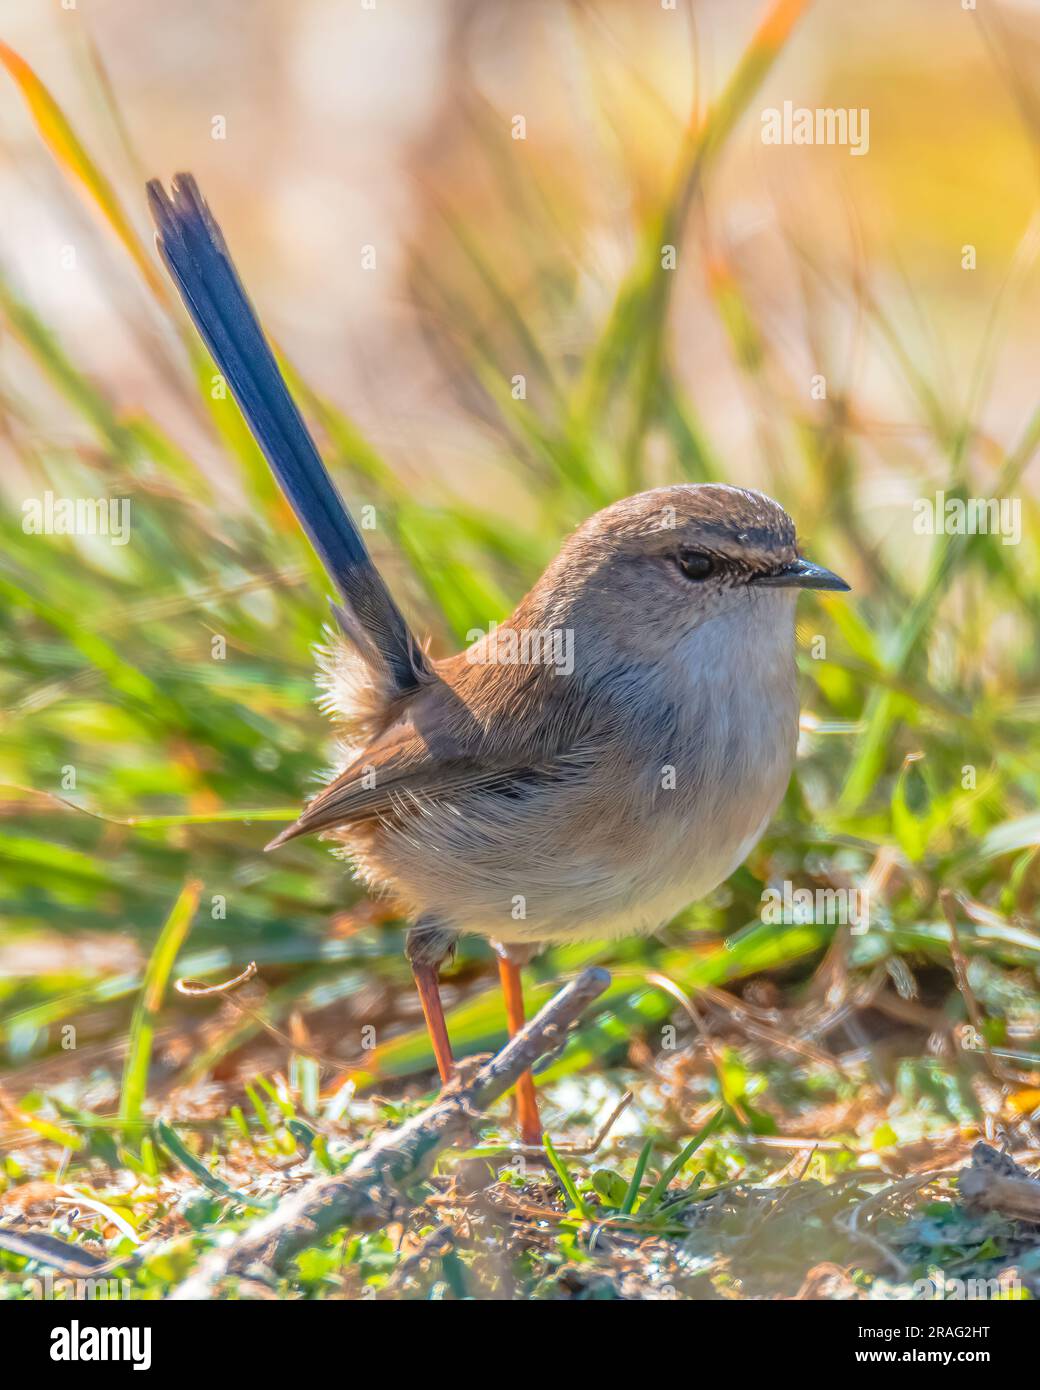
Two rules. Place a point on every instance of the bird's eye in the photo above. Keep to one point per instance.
(695, 564)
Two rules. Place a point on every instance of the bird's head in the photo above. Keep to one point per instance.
(656, 566)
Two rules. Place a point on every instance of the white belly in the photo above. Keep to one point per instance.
(624, 845)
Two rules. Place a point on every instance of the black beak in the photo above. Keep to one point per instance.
(800, 574)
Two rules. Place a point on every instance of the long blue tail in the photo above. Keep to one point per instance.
(196, 255)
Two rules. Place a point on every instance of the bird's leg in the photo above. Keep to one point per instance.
(427, 946)
(510, 960)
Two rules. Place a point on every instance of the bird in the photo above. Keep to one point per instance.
(584, 770)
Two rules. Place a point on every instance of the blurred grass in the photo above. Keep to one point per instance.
(165, 687)
(150, 1002)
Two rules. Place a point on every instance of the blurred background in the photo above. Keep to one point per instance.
(451, 219)
(321, 128)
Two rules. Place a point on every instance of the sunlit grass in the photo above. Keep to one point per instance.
(165, 690)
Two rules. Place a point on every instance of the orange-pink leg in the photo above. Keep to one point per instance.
(427, 982)
(526, 1097)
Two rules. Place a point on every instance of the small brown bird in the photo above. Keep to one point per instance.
(607, 755)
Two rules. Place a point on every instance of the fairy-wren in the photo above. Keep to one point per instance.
(607, 755)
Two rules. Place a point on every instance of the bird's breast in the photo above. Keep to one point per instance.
(676, 783)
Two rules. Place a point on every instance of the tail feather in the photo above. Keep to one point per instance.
(196, 255)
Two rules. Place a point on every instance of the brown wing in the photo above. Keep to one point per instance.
(383, 780)
(474, 726)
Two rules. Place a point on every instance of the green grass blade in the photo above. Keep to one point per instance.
(142, 1027)
(176, 1148)
(628, 1205)
(567, 1182)
(660, 1187)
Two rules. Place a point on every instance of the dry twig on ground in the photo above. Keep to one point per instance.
(366, 1194)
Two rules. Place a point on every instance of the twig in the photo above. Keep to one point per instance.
(664, 982)
(1017, 1197)
(366, 1195)
(764, 1031)
(873, 1206)
(995, 1182)
(949, 902)
(579, 1149)
(196, 989)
